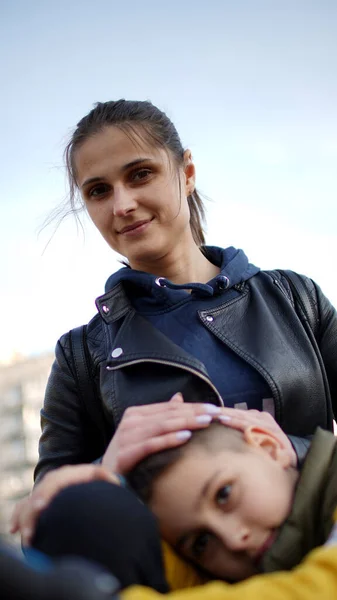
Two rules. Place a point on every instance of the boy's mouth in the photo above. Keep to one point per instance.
(265, 546)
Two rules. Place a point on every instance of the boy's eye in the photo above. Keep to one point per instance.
(223, 495)
(200, 544)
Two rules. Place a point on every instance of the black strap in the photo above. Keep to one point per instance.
(84, 376)
(80, 359)
(302, 298)
(309, 315)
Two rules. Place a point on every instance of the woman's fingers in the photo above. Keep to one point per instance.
(148, 429)
(28, 510)
(249, 417)
(132, 455)
(153, 427)
(177, 398)
(175, 404)
(159, 407)
(15, 519)
(157, 436)
(241, 419)
(181, 411)
(134, 438)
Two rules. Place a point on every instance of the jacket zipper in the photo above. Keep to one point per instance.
(170, 364)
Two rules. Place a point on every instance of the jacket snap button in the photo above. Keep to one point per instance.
(116, 352)
(105, 308)
(223, 282)
(209, 318)
(160, 281)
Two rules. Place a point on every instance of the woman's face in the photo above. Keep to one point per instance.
(135, 195)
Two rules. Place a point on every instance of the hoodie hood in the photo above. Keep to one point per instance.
(158, 292)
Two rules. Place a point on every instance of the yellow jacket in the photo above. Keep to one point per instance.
(315, 578)
(312, 514)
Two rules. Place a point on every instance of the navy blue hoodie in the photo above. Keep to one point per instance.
(173, 309)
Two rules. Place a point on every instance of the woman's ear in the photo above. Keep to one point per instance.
(189, 172)
(258, 437)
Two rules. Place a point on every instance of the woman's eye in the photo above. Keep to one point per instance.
(141, 174)
(98, 190)
(223, 495)
(200, 543)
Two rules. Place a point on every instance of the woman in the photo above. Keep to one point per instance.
(180, 317)
(230, 336)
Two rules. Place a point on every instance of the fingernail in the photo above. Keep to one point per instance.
(224, 418)
(203, 419)
(211, 409)
(183, 435)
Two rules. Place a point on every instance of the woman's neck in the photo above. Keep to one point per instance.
(182, 265)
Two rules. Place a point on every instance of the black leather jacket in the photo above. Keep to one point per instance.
(132, 363)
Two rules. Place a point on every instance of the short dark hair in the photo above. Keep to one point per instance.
(135, 118)
(214, 438)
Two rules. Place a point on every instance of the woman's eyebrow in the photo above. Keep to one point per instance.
(91, 180)
(124, 168)
(134, 163)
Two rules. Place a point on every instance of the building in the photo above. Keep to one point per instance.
(22, 386)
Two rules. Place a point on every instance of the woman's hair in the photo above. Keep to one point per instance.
(214, 438)
(138, 119)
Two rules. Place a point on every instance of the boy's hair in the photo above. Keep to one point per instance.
(214, 438)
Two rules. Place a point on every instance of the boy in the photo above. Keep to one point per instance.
(255, 461)
(231, 504)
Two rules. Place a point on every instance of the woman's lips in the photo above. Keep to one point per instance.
(135, 228)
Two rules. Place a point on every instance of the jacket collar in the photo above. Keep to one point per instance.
(114, 304)
(310, 520)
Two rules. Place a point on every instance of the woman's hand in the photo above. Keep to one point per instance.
(147, 429)
(241, 419)
(27, 511)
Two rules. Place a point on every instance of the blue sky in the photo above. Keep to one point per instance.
(252, 88)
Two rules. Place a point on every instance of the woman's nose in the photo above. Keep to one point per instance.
(123, 202)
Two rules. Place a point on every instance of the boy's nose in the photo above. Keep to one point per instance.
(235, 537)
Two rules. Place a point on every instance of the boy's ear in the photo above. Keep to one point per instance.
(258, 437)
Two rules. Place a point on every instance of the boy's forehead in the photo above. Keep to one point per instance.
(190, 473)
(187, 480)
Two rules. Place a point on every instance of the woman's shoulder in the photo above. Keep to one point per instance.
(88, 338)
(293, 284)
(305, 295)
(287, 275)
(88, 329)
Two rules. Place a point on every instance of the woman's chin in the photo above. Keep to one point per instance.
(146, 255)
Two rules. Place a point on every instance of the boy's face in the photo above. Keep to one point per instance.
(221, 511)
